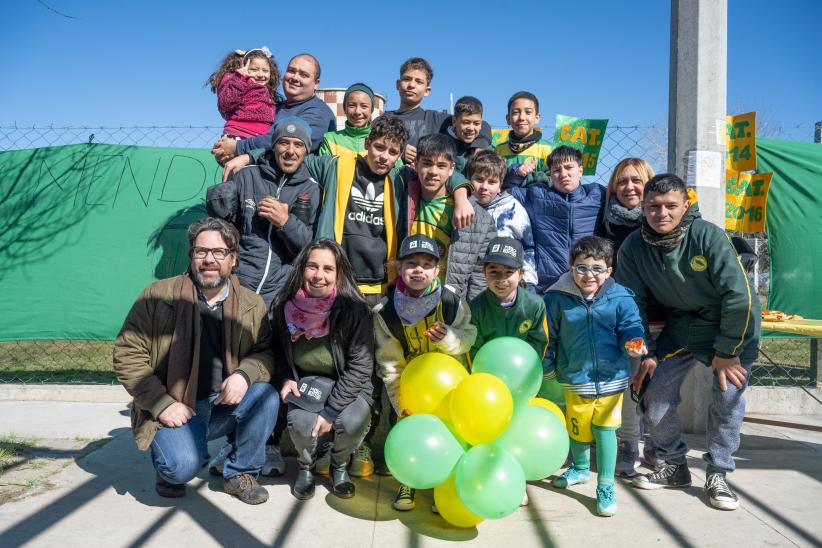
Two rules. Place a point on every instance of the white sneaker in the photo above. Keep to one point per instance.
(274, 464)
(524, 499)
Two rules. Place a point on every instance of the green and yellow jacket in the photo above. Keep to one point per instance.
(537, 152)
(347, 141)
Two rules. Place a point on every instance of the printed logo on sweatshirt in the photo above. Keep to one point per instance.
(699, 263)
(370, 201)
(249, 204)
(525, 326)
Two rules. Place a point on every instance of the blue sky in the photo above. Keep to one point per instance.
(144, 62)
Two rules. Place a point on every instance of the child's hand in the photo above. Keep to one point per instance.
(436, 332)
(233, 166)
(410, 155)
(527, 168)
(636, 348)
(463, 210)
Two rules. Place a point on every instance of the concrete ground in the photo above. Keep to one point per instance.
(106, 498)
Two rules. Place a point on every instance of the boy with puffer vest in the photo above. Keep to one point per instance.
(561, 211)
(594, 325)
(419, 314)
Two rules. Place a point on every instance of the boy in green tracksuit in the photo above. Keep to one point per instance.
(358, 105)
(506, 309)
(690, 267)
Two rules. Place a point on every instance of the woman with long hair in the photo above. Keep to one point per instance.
(323, 354)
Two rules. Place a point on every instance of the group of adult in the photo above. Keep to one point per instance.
(198, 354)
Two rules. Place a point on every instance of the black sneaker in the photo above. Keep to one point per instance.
(669, 475)
(169, 490)
(720, 494)
(404, 499)
(245, 488)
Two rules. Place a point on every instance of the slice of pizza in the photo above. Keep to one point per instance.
(773, 316)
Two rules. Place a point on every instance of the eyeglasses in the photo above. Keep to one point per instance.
(219, 253)
(596, 270)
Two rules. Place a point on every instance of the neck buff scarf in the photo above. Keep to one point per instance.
(666, 241)
(412, 309)
(307, 316)
(618, 214)
(519, 144)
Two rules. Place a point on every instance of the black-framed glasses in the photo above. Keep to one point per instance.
(596, 270)
(219, 253)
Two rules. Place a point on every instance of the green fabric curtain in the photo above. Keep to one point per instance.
(86, 227)
(794, 225)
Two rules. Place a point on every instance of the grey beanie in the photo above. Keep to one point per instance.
(292, 126)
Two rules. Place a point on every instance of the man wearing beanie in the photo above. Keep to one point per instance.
(300, 81)
(358, 104)
(274, 206)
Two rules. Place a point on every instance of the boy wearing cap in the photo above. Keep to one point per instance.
(593, 326)
(358, 104)
(506, 308)
(419, 314)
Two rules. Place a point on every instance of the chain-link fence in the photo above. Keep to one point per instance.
(783, 362)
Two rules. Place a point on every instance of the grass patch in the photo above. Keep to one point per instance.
(62, 361)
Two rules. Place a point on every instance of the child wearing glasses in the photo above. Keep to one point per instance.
(593, 326)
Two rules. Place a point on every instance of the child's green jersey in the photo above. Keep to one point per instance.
(525, 319)
(539, 152)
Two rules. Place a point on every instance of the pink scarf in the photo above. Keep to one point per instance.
(308, 316)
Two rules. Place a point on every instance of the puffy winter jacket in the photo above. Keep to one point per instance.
(557, 221)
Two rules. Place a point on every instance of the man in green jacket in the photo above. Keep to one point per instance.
(691, 268)
(195, 354)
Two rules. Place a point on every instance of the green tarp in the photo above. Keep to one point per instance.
(86, 227)
(794, 225)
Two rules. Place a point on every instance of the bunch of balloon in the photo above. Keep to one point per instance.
(476, 438)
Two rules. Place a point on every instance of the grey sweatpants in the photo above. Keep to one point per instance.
(348, 431)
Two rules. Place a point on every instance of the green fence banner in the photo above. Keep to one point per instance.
(794, 225)
(86, 227)
(583, 134)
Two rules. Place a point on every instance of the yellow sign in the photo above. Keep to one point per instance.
(746, 195)
(740, 142)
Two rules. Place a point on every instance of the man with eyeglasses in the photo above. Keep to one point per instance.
(195, 354)
(690, 267)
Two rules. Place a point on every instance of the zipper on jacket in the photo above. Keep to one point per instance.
(595, 360)
(270, 251)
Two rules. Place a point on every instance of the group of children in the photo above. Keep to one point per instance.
(447, 273)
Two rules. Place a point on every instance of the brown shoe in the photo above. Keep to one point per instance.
(245, 488)
(169, 490)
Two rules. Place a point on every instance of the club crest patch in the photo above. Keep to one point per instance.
(525, 326)
(699, 263)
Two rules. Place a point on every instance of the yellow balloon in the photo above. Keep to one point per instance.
(481, 407)
(451, 507)
(427, 379)
(549, 405)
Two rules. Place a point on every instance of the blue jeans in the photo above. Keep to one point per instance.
(725, 414)
(179, 453)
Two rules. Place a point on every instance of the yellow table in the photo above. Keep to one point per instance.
(811, 328)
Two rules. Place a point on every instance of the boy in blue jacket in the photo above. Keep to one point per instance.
(593, 326)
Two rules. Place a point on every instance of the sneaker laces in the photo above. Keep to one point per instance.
(666, 471)
(245, 482)
(606, 494)
(362, 453)
(405, 492)
(717, 482)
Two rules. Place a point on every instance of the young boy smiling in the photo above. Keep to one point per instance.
(431, 212)
(593, 326)
(358, 104)
(525, 148)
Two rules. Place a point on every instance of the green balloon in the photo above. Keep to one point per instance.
(551, 390)
(421, 452)
(516, 364)
(490, 481)
(537, 439)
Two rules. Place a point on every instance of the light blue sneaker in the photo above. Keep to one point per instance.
(606, 500)
(570, 477)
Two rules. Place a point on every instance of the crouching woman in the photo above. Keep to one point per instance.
(323, 355)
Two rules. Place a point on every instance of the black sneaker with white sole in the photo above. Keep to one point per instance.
(720, 494)
(669, 475)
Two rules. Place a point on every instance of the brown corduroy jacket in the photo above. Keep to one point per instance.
(141, 351)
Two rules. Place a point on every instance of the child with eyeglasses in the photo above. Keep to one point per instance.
(593, 326)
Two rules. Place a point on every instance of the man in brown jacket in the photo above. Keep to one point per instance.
(195, 353)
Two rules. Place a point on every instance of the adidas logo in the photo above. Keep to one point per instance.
(370, 201)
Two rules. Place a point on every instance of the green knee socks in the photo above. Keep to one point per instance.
(606, 441)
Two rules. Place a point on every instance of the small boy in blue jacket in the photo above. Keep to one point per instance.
(593, 326)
